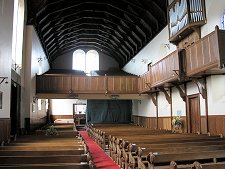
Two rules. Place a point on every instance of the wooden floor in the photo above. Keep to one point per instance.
(61, 150)
(134, 147)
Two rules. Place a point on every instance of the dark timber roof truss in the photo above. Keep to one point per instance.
(117, 28)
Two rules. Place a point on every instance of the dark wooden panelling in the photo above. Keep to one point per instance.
(5, 128)
(82, 84)
(36, 123)
(144, 82)
(163, 71)
(149, 122)
(203, 125)
(122, 84)
(193, 114)
(87, 84)
(164, 123)
(206, 54)
(202, 55)
(220, 34)
(184, 125)
(216, 124)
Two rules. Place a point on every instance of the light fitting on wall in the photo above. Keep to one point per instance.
(16, 66)
(43, 101)
(40, 59)
(146, 61)
(166, 45)
(70, 91)
(115, 96)
(35, 99)
(4, 79)
(73, 95)
(106, 92)
(133, 60)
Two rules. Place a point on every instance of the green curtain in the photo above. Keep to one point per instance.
(109, 111)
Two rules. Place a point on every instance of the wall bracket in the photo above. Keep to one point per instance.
(154, 99)
(201, 87)
(149, 85)
(3, 79)
(168, 97)
(181, 92)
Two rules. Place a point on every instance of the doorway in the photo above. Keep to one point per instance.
(79, 113)
(193, 114)
(15, 108)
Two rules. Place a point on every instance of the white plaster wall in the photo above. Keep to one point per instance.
(37, 67)
(164, 108)
(31, 67)
(25, 76)
(216, 95)
(134, 107)
(178, 105)
(144, 108)
(6, 29)
(214, 12)
(152, 52)
(64, 106)
(152, 109)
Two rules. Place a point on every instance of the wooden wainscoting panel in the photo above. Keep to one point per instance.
(184, 125)
(152, 124)
(203, 125)
(5, 128)
(217, 124)
(164, 123)
(149, 122)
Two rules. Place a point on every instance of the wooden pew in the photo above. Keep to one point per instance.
(55, 151)
(40, 152)
(42, 159)
(158, 142)
(47, 166)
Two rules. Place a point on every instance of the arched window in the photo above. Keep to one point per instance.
(92, 61)
(18, 25)
(86, 62)
(79, 60)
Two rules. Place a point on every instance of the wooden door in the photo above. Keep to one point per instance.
(194, 118)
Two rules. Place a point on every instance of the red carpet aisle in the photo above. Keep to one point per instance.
(100, 159)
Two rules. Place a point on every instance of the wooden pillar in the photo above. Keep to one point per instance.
(157, 111)
(171, 109)
(206, 106)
